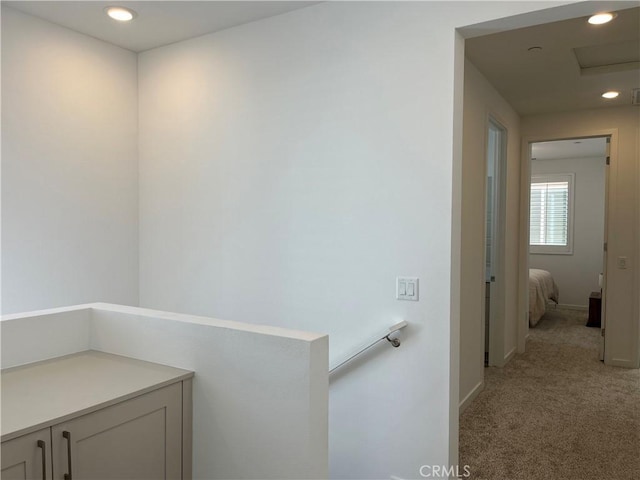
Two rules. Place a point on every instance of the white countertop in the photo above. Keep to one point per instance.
(39, 395)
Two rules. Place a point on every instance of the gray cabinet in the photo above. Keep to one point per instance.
(137, 439)
(27, 457)
(123, 419)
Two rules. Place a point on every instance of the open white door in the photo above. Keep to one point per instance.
(603, 286)
(494, 242)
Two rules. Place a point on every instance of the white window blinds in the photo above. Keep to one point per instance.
(551, 213)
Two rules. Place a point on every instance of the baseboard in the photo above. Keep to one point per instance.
(619, 362)
(573, 307)
(466, 401)
(510, 355)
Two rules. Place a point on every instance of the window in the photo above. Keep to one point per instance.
(551, 214)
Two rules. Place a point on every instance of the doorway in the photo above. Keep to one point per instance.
(567, 226)
(566, 125)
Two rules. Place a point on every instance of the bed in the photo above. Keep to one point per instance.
(542, 289)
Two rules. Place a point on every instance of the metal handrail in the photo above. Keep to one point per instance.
(386, 335)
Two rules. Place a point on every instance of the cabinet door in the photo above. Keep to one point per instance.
(27, 457)
(137, 439)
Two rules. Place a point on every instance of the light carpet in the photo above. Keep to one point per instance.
(556, 411)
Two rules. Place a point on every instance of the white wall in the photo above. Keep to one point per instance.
(283, 164)
(480, 101)
(69, 167)
(259, 393)
(577, 274)
(44, 334)
(290, 169)
(622, 289)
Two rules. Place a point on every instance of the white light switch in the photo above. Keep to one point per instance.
(407, 288)
(622, 262)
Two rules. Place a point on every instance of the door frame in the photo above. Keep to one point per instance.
(525, 192)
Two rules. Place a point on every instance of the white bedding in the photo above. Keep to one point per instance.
(542, 288)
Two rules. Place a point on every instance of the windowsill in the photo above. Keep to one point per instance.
(550, 252)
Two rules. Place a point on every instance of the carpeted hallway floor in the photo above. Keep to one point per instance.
(555, 412)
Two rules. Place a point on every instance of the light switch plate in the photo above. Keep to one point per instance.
(407, 288)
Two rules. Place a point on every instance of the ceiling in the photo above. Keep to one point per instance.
(574, 148)
(157, 22)
(577, 62)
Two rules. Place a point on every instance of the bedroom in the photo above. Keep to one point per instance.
(567, 220)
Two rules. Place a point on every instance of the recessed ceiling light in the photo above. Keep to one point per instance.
(120, 14)
(611, 94)
(601, 18)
